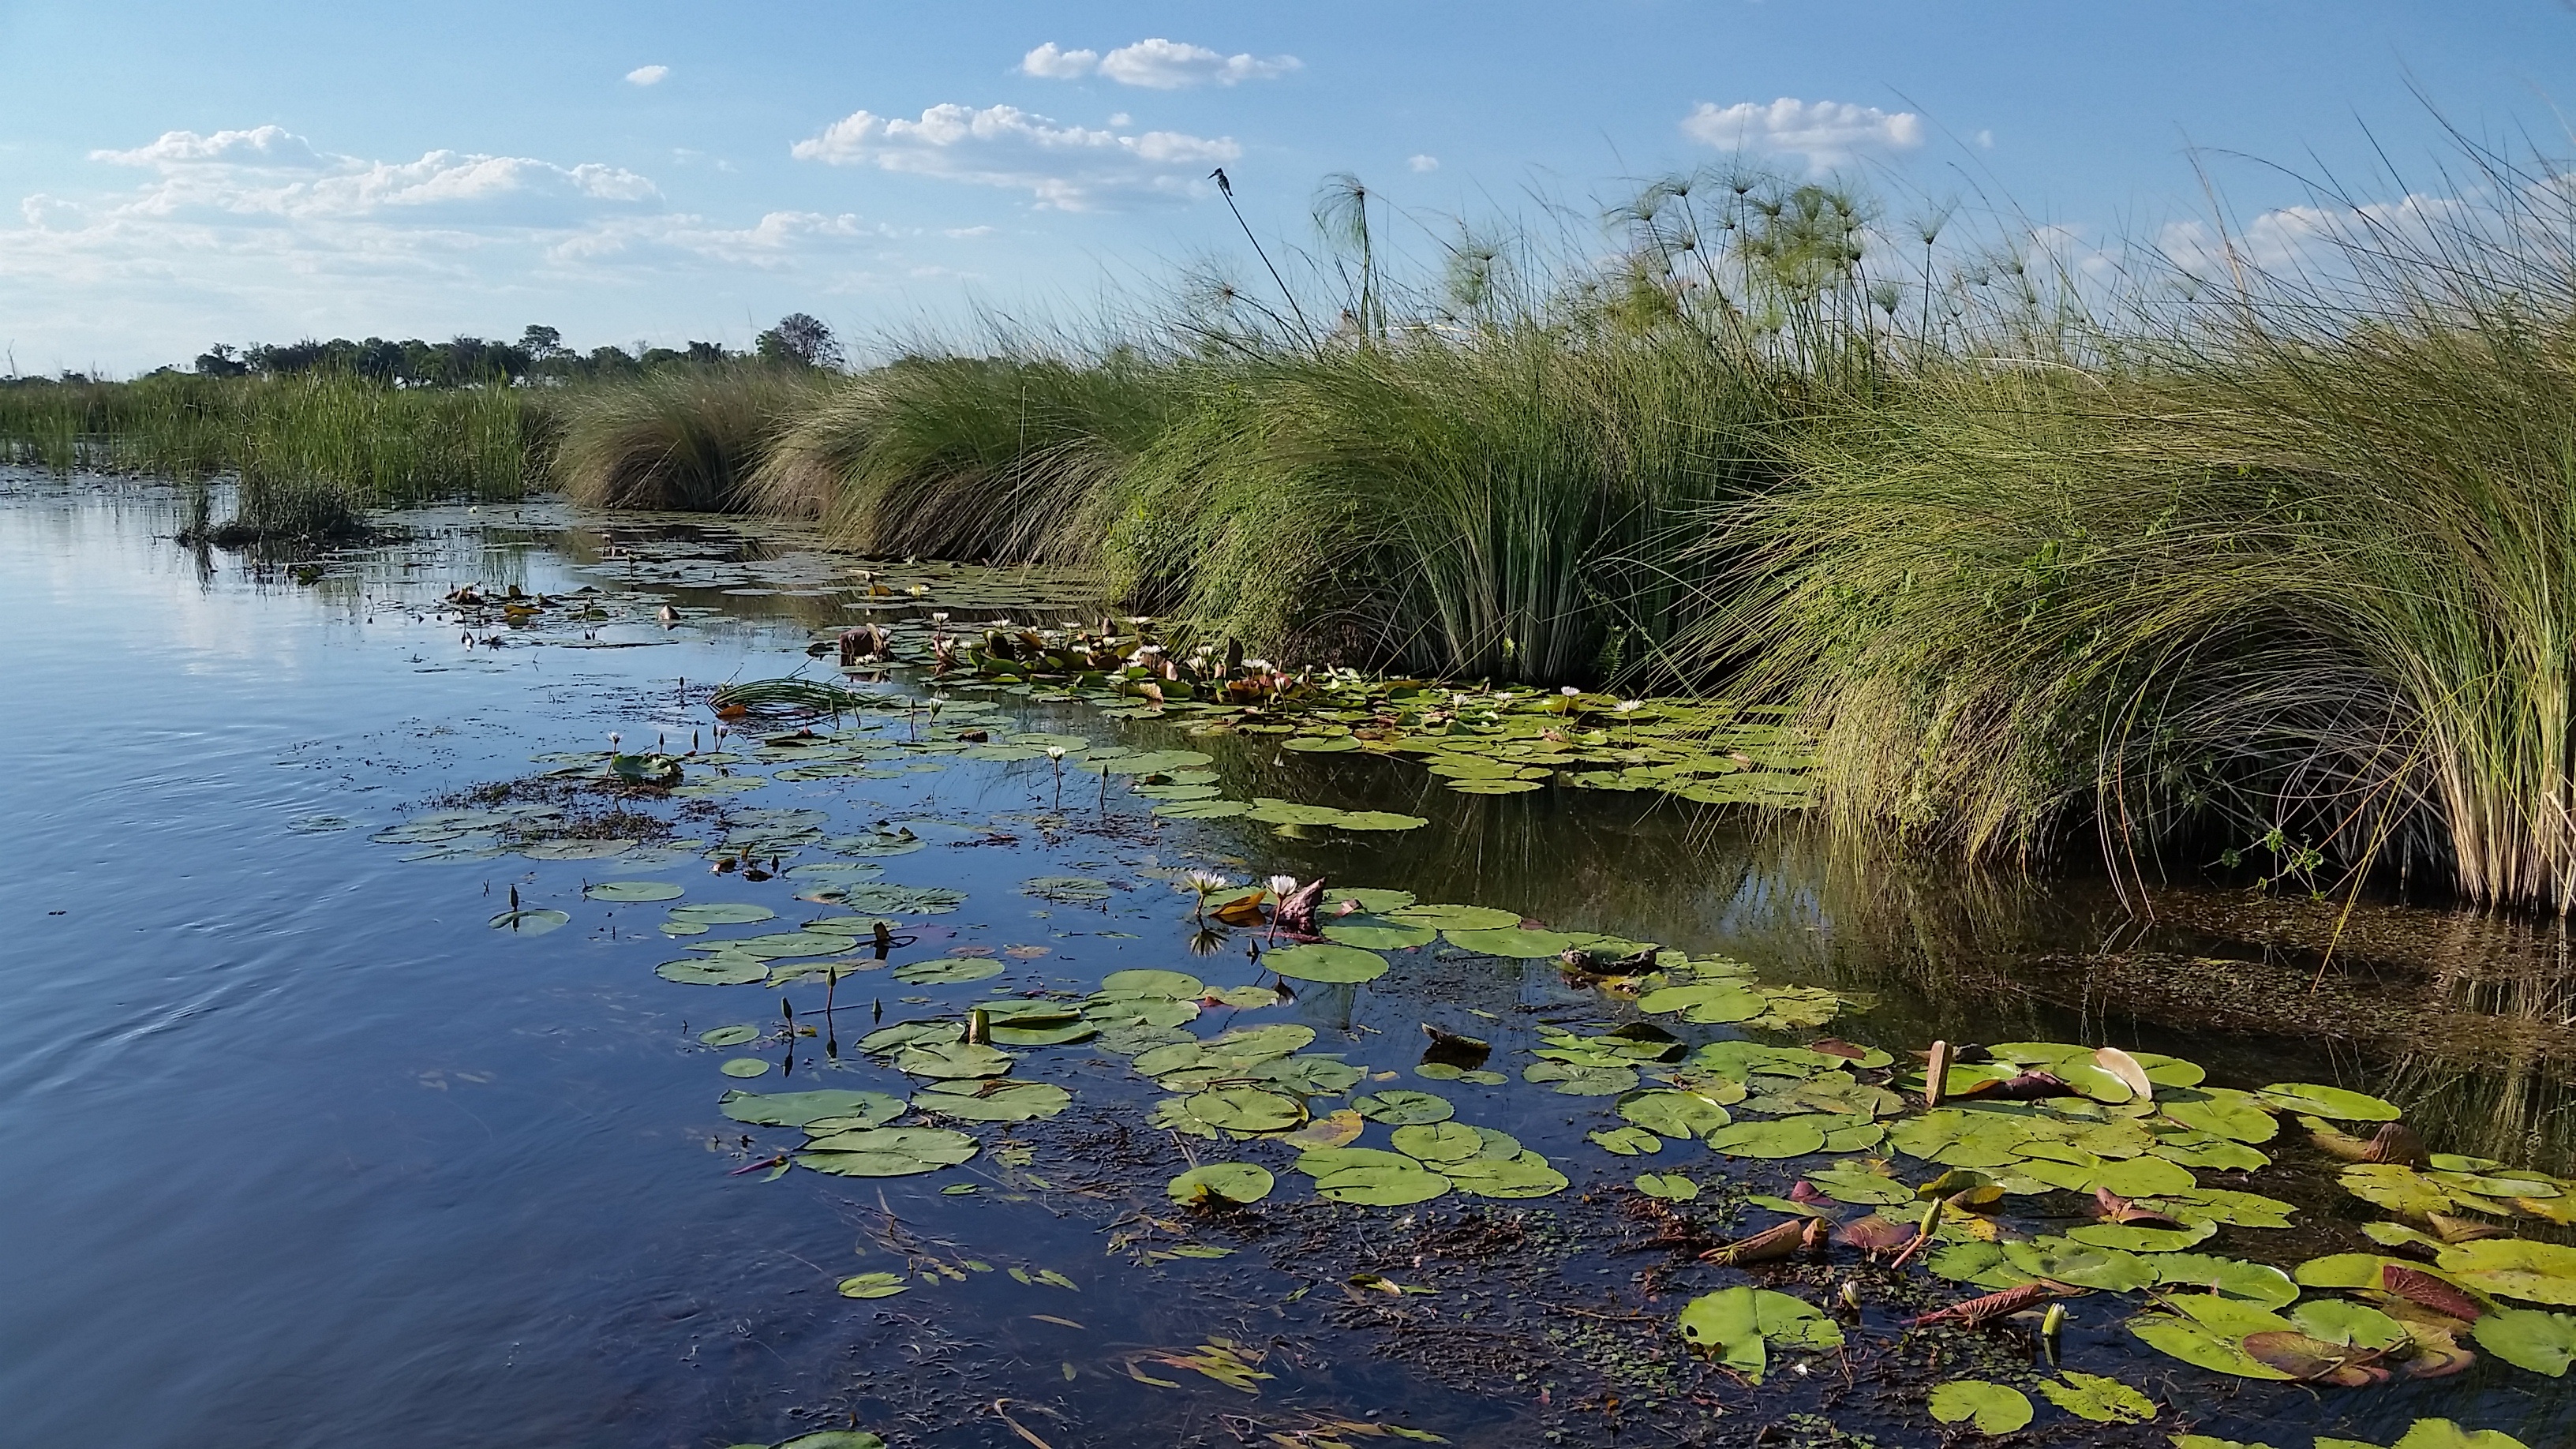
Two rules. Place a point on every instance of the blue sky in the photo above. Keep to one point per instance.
(188, 173)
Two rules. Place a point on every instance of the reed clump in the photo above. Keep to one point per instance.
(684, 437)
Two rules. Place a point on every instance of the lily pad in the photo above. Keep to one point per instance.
(1786, 1137)
(1221, 1183)
(723, 1036)
(1674, 1113)
(1438, 1142)
(633, 890)
(952, 1060)
(535, 921)
(1989, 1408)
(1512, 942)
(887, 1151)
(2102, 1400)
(1326, 963)
(1247, 1109)
(2081, 1264)
(1382, 1185)
(1380, 935)
(1524, 1176)
(1737, 1326)
(2515, 1268)
(2143, 1240)
(1403, 1107)
(2544, 1343)
(1707, 1002)
(722, 969)
(720, 913)
(2334, 1103)
(795, 1109)
(993, 1101)
(875, 1285)
(744, 1067)
(947, 971)
(1670, 1186)
(2257, 1283)
(1455, 918)
(1152, 983)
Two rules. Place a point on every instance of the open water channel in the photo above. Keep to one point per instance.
(365, 1060)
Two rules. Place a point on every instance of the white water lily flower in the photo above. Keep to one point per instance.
(1283, 886)
(1629, 706)
(1571, 692)
(613, 738)
(1055, 752)
(939, 618)
(1207, 882)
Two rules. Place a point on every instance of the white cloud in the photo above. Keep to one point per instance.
(1156, 64)
(263, 147)
(1423, 162)
(1069, 168)
(647, 75)
(1056, 64)
(274, 173)
(1826, 133)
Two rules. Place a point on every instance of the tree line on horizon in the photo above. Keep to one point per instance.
(800, 340)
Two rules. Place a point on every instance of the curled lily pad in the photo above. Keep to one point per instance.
(1327, 963)
(1404, 1108)
(633, 890)
(2102, 1400)
(795, 1109)
(1221, 1183)
(993, 1101)
(1988, 1408)
(887, 1151)
(2312, 1100)
(1737, 1326)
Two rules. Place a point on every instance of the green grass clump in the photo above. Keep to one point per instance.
(678, 437)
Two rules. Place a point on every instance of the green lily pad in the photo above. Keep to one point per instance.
(2398, 1188)
(947, 971)
(2224, 1112)
(1457, 918)
(1359, 931)
(1855, 1183)
(887, 1151)
(1737, 1326)
(1513, 942)
(723, 1036)
(952, 1060)
(2515, 1268)
(1404, 1108)
(1524, 1176)
(2081, 1264)
(1438, 1142)
(1326, 963)
(577, 849)
(993, 1101)
(1670, 1186)
(2218, 1347)
(1674, 1113)
(1247, 1109)
(534, 921)
(2343, 1322)
(1201, 809)
(795, 1109)
(2099, 1399)
(1152, 983)
(779, 945)
(1581, 1081)
(720, 913)
(875, 1285)
(1626, 1141)
(633, 890)
(1986, 1407)
(2544, 1343)
(744, 1067)
(1382, 1185)
(2257, 1283)
(2330, 1102)
(1707, 1002)
(2143, 1240)
(1220, 1183)
(722, 969)
(2349, 1270)
(1785, 1137)
(1372, 900)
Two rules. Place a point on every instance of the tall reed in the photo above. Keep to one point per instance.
(678, 437)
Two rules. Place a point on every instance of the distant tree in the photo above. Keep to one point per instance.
(706, 352)
(542, 344)
(802, 340)
(220, 360)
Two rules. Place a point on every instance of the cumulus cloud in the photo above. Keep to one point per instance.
(1066, 167)
(647, 75)
(1423, 162)
(1156, 64)
(272, 172)
(1826, 133)
(268, 148)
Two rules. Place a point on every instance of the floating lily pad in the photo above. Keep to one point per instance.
(948, 971)
(1670, 1186)
(1986, 1407)
(1707, 1002)
(1370, 935)
(992, 1101)
(2219, 1110)
(1438, 1142)
(1575, 1081)
(952, 1060)
(720, 913)
(1152, 983)
(2515, 1268)
(2257, 1283)
(887, 1151)
(722, 969)
(795, 1109)
(1512, 942)
(1404, 1108)
(2544, 1343)
(1737, 1326)
(744, 1067)
(531, 922)
(1524, 1176)
(1626, 1141)
(1786, 1137)
(1326, 963)
(2081, 1264)
(576, 849)
(875, 1285)
(723, 1036)
(1457, 918)
(1674, 1113)
(2102, 1400)
(1382, 1185)
(879, 898)
(633, 890)
(2143, 1240)
(1247, 1109)
(1221, 1183)
(2329, 1102)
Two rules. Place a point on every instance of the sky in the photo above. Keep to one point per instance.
(638, 172)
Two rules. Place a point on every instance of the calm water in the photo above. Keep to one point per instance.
(295, 1149)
